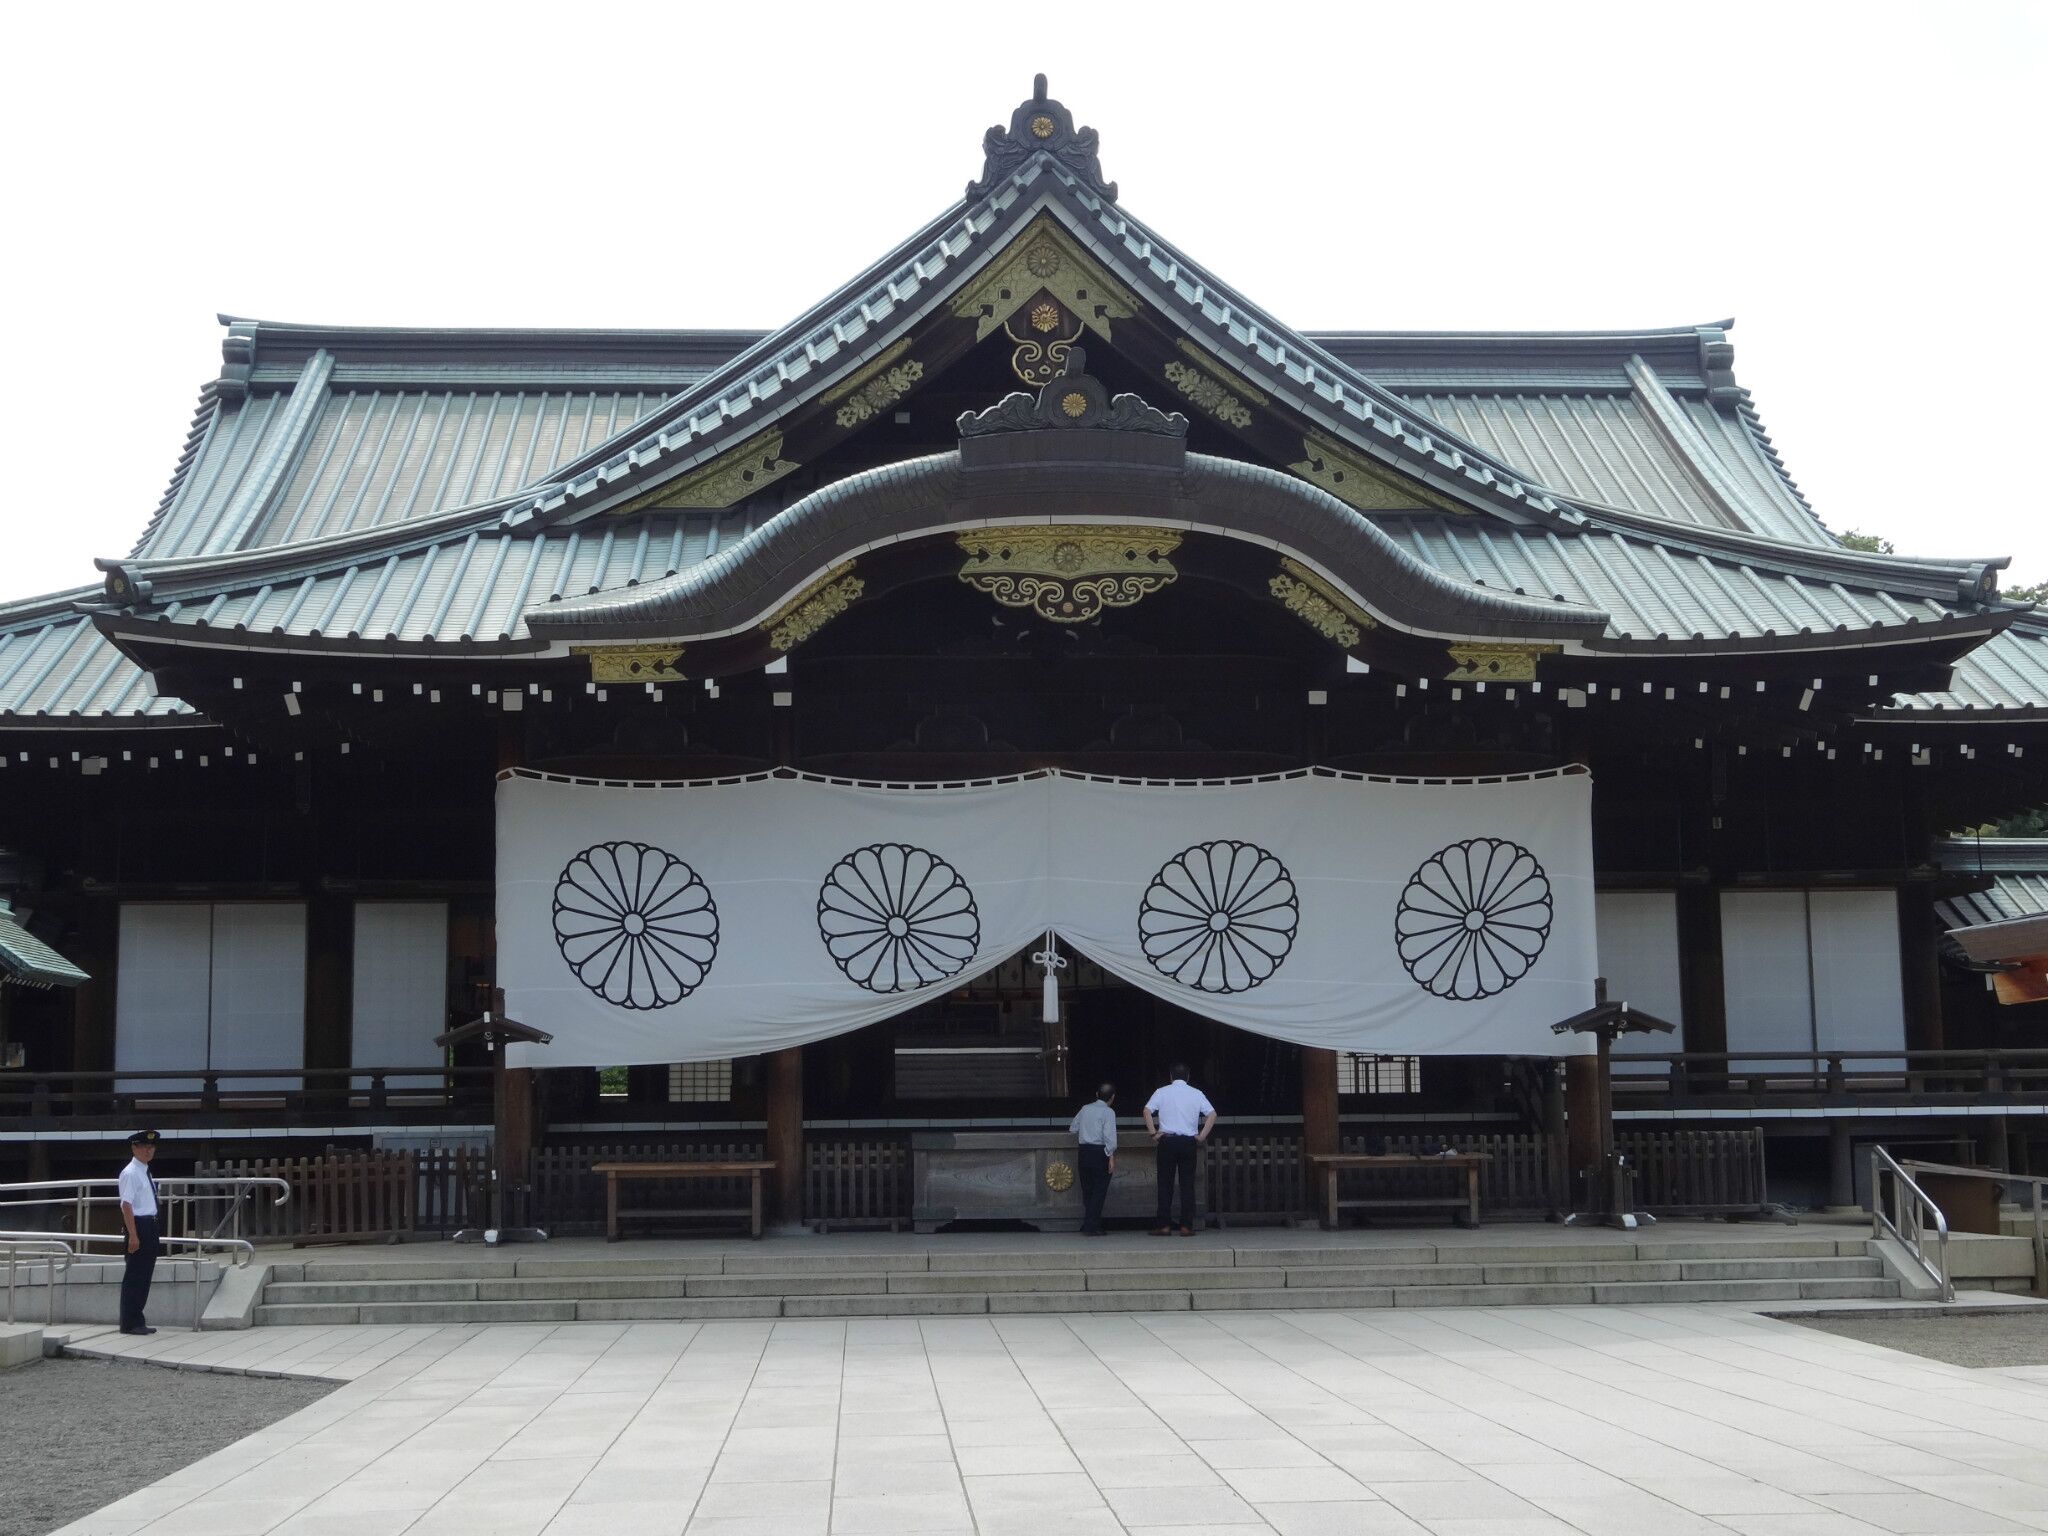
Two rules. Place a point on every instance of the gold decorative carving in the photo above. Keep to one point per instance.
(726, 479)
(1044, 258)
(1218, 367)
(1206, 394)
(633, 663)
(1059, 1177)
(1045, 317)
(1041, 127)
(877, 387)
(1074, 404)
(813, 608)
(1352, 481)
(1069, 573)
(1319, 605)
(1495, 663)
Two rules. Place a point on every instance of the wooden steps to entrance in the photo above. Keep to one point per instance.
(1063, 1276)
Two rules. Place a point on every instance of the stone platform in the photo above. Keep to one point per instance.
(872, 1275)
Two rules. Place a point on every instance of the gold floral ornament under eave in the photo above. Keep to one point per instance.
(1210, 396)
(1041, 127)
(1045, 317)
(1069, 574)
(1059, 1177)
(813, 608)
(1328, 612)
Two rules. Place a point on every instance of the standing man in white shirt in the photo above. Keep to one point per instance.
(1180, 1119)
(138, 1219)
(1094, 1129)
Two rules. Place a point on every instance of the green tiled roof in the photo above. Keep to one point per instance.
(29, 962)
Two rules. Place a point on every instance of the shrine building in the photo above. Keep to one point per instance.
(1032, 548)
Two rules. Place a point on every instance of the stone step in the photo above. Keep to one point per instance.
(316, 1292)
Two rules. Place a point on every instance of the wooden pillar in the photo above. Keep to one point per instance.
(1920, 966)
(92, 1002)
(1582, 1112)
(785, 1138)
(1841, 1167)
(1702, 986)
(1319, 1126)
(516, 1087)
(330, 986)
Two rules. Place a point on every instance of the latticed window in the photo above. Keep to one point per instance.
(1358, 1073)
(700, 1082)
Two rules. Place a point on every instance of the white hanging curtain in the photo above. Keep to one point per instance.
(683, 922)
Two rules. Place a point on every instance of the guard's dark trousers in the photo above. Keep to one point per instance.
(1177, 1162)
(135, 1278)
(1094, 1186)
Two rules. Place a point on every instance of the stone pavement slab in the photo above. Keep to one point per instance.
(1460, 1421)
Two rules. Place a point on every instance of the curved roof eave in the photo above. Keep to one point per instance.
(934, 495)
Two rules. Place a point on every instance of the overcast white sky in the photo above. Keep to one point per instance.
(1860, 185)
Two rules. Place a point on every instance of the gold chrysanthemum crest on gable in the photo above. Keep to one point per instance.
(1044, 258)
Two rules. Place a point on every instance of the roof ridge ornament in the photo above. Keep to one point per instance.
(1074, 398)
(1040, 126)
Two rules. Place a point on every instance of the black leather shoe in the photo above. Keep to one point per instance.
(138, 1331)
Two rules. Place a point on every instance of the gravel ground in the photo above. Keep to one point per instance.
(80, 1434)
(2018, 1337)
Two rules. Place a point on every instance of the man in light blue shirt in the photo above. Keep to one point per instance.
(1095, 1129)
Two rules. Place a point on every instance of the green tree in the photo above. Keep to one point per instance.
(2037, 593)
(1868, 543)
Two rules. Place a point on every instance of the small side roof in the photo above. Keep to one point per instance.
(26, 961)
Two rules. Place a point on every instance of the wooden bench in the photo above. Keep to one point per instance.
(615, 1173)
(1463, 1207)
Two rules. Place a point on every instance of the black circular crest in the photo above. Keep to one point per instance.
(1219, 917)
(895, 918)
(1473, 918)
(636, 924)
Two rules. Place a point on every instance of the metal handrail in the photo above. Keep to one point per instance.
(77, 1193)
(1906, 1219)
(54, 1246)
(2037, 1182)
(50, 1250)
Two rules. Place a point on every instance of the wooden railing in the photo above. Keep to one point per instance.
(249, 1095)
(1697, 1173)
(857, 1183)
(362, 1197)
(1740, 1079)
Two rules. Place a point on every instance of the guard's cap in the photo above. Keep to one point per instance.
(144, 1139)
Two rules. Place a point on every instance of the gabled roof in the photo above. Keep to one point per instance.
(429, 487)
(2018, 867)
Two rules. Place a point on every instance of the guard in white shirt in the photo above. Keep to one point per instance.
(1180, 1119)
(138, 1218)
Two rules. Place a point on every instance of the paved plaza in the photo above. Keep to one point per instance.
(1612, 1421)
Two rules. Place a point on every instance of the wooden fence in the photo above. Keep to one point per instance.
(1253, 1177)
(361, 1197)
(1696, 1173)
(850, 1183)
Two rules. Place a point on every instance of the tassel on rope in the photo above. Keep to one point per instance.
(1053, 962)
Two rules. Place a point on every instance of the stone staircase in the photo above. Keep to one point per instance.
(1065, 1275)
